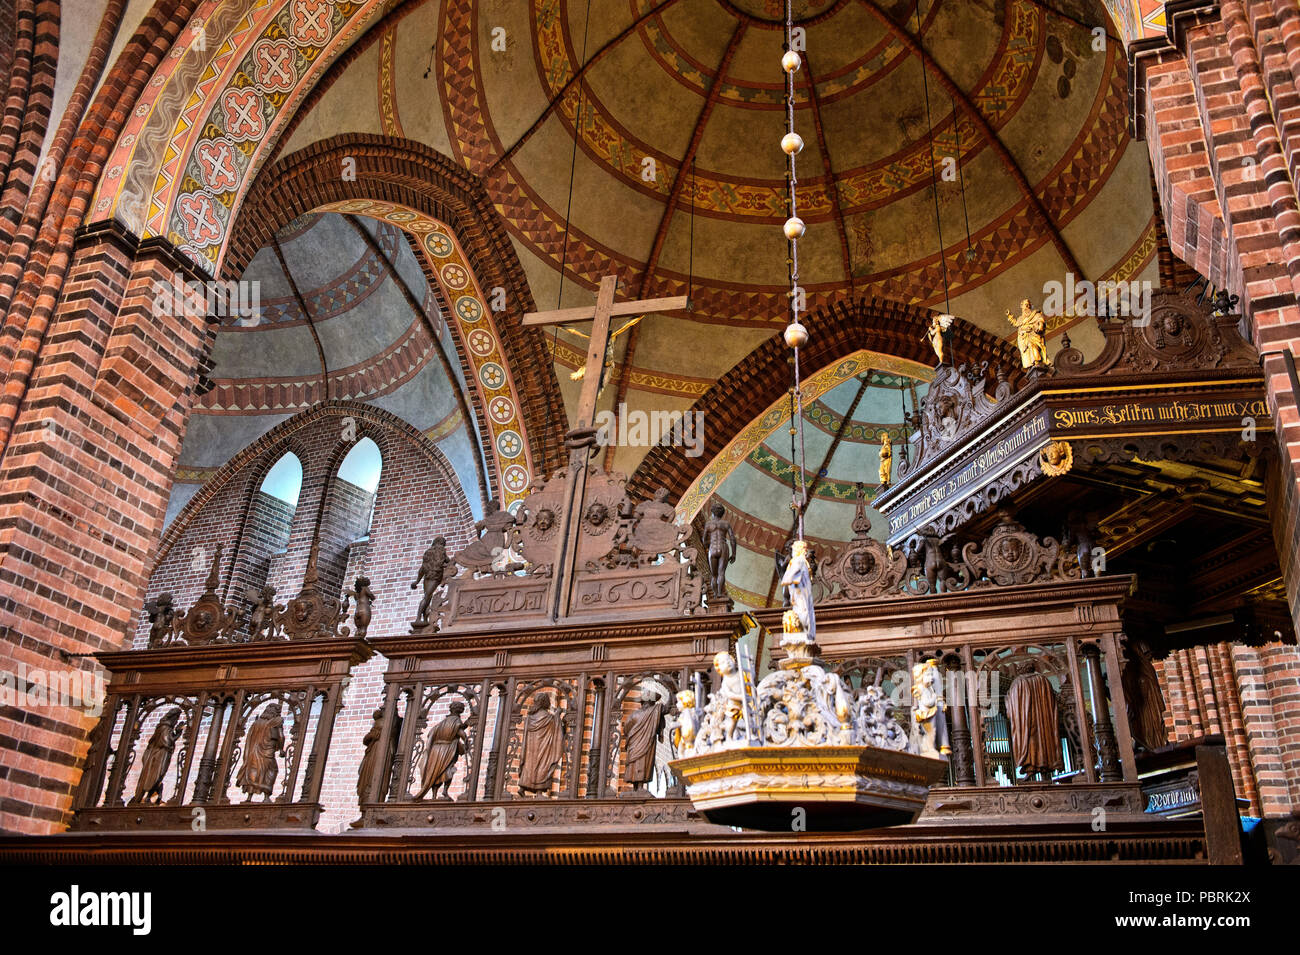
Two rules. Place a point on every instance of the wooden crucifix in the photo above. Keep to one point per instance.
(582, 436)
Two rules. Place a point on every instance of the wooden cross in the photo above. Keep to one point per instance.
(582, 435)
(600, 314)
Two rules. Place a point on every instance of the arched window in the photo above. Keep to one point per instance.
(284, 480)
(361, 470)
(349, 506)
(362, 466)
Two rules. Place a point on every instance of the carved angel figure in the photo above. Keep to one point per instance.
(161, 613)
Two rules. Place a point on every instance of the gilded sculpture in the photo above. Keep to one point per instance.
(1031, 335)
(886, 458)
(929, 710)
(798, 623)
(939, 335)
(686, 724)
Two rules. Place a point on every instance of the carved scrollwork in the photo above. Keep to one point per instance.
(1012, 555)
(866, 567)
(311, 615)
(956, 401)
(1180, 333)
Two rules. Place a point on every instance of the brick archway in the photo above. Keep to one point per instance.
(405, 173)
(763, 376)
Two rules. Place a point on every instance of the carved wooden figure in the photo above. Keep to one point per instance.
(364, 597)
(157, 757)
(720, 539)
(496, 530)
(373, 761)
(1031, 708)
(447, 742)
(434, 567)
(641, 730)
(161, 613)
(263, 744)
(543, 746)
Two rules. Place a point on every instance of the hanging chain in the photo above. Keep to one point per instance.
(796, 335)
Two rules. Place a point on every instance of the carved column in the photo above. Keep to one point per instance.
(208, 761)
(596, 757)
(958, 691)
(1106, 746)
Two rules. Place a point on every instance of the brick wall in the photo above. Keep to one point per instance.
(85, 480)
(1251, 695)
(1220, 109)
(418, 498)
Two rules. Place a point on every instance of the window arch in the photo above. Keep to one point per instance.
(284, 480)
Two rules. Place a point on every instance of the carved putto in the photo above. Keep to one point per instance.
(931, 566)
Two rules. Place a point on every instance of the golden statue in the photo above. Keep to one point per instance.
(688, 724)
(886, 458)
(939, 334)
(1031, 332)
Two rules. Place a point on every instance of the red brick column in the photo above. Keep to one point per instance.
(1203, 698)
(85, 483)
(1211, 107)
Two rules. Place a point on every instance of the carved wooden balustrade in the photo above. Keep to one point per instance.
(1068, 632)
(224, 721)
(561, 726)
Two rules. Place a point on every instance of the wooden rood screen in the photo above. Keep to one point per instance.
(596, 679)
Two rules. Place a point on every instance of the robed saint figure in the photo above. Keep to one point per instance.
(1035, 740)
(641, 728)
(543, 746)
(157, 757)
(445, 745)
(265, 741)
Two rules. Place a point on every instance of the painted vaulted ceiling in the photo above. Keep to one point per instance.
(642, 139)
